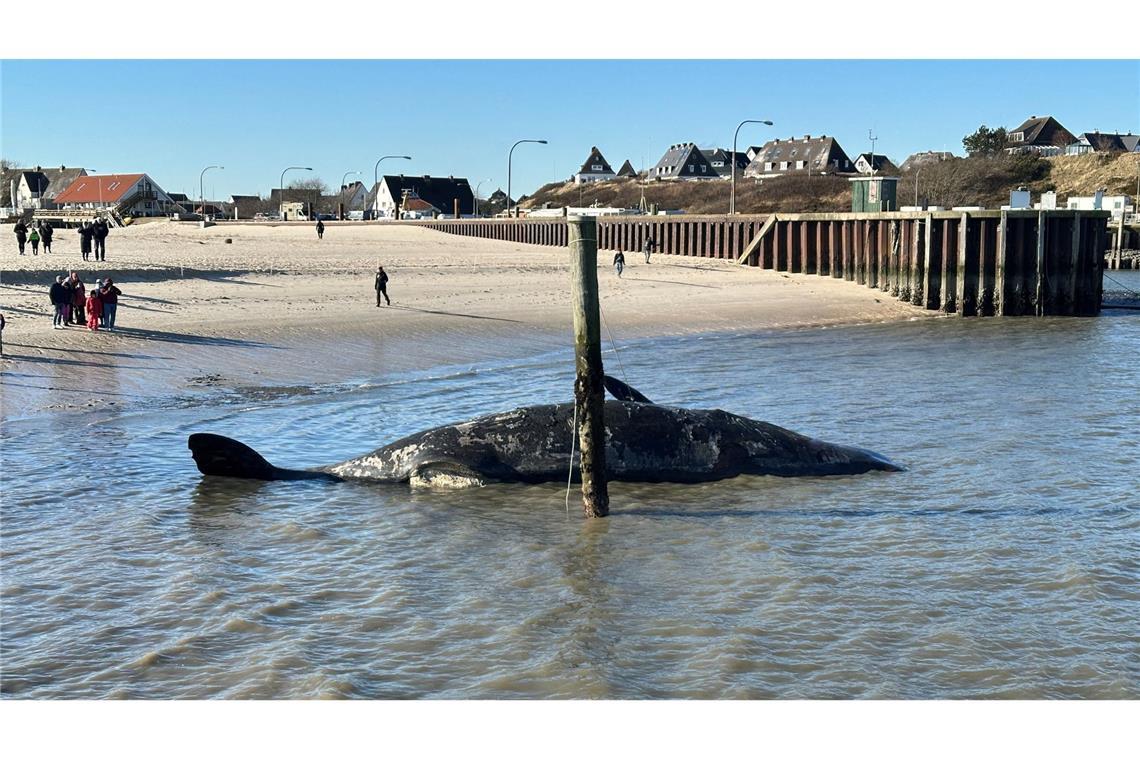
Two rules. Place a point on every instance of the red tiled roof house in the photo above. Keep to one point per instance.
(129, 194)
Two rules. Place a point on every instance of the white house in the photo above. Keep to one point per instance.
(129, 194)
(38, 188)
(595, 168)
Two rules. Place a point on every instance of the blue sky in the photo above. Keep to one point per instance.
(171, 118)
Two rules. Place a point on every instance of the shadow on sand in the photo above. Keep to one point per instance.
(453, 314)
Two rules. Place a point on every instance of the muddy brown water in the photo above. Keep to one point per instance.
(1005, 563)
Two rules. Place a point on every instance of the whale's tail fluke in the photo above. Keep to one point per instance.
(623, 392)
(227, 458)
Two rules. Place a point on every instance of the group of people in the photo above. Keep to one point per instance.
(92, 238)
(74, 304)
(647, 248)
(40, 232)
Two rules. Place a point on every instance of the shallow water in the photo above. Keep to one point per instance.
(1004, 563)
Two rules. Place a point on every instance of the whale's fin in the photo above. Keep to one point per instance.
(227, 458)
(623, 392)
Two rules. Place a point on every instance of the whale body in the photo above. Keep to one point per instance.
(644, 443)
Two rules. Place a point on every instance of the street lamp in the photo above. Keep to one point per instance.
(376, 170)
(510, 155)
(735, 135)
(478, 185)
(281, 206)
(202, 188)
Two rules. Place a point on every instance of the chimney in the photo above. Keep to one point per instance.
(807, 137)
(62, 167)
(427, 176)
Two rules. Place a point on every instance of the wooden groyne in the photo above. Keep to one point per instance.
(970, 263)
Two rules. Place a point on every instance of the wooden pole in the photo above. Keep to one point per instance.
(588, 390)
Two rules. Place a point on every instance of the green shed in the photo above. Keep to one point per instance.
(873, 194)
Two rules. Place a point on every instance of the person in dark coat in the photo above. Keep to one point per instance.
(382, 286)
(619, 262)
(648, 247)
(57, 295)
(79, 301)
(68, 299)
(46, 232)
(320, 230)
(109, 295)
(101, 232)
(86, 235)
(2, 323)
(21, 231)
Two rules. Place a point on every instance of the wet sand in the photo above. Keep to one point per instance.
(276, 308)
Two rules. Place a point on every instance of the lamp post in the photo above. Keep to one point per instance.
(872, 138)
(376, 172)
(510, 156)
(281, 206)
(735, 135)
(478, 185)
(202, 188)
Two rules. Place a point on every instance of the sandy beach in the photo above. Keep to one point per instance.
(275, 308)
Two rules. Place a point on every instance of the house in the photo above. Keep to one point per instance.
(1131, 142)
(1117, 205)
(595, 168)
(351, 197)
(822, 155)
(882, 164)
(683, 161)
(720, 160)
(1043, 135)
(441, 192)
(752, 151)
(413, 207)
(38, 188)
(915, 160)
(128, 194)
(245, 206)
(627, 171)
(1098, 142)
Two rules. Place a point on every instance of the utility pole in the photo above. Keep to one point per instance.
(589, 393)
(872, 139)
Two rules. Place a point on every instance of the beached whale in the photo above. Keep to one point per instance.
(645, 442)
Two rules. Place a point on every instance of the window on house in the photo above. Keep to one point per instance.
(767, 166)
(690, 168)
(1017, 137)
(801, 164)
(703, 167)
(783, 165)
(596, 167)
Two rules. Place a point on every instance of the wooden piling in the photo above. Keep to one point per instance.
(589, 393)
(1000, 259)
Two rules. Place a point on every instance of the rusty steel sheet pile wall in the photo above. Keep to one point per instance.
(970, 263)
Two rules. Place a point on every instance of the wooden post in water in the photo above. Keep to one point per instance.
(589, 394)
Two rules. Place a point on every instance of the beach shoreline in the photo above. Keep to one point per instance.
(276, 308)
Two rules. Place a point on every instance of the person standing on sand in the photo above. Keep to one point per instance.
(382, 286)
(57, 294)
(80, 290)
(68, 299)
(46, 232)
(94, 310)
(34, 239)
(109, 295)
(85, 236)
(101, 232)
(2, 323)
(21, 231)
(619, 262)
(648, 247)
(320, 230)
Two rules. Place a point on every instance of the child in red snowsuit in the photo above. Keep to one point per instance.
(94, 310)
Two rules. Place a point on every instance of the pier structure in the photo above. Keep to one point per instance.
(969, 263)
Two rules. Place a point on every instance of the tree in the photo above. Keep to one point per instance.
(985, 142)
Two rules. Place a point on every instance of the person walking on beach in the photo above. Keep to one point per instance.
(94, 310)
(21, 231)
(109, 295)
(619, 262)
(320, 230)
(382, 286)
(46, 232)
(86, 234)
(101, 231)
(57, 294)
(2, 323)
(648, 247)
(79, 299)
(34, 239)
